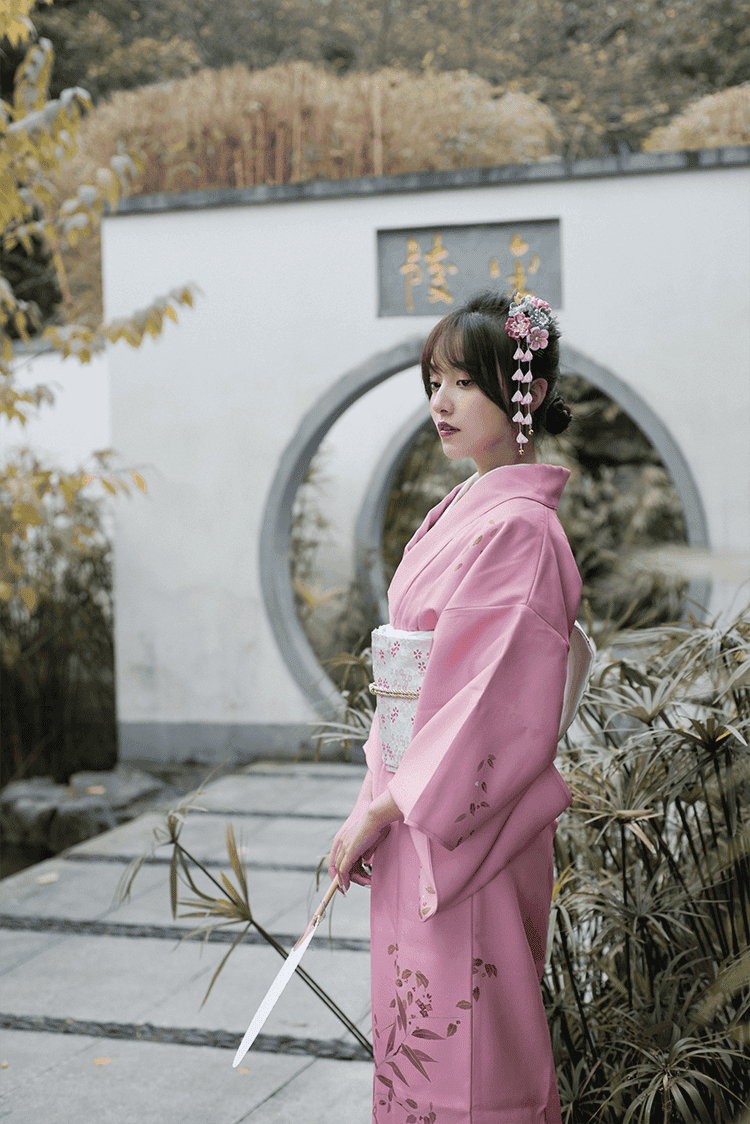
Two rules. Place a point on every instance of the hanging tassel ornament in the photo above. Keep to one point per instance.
(528, 321)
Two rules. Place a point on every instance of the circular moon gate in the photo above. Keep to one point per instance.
(297, 456)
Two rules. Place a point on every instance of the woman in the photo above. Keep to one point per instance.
(459, 831)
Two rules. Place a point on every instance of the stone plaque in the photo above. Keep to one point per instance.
(426, 271)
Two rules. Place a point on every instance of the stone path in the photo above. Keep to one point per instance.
(100, 1013)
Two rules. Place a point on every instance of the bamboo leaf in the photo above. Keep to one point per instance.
(412, 1057)
(397, 1071)
(173, 882)
(223, 962)
(637, 830)
(237, 865)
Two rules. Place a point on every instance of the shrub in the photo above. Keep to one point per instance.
(646, 980)
(57, 706)
(718, 119)
(294, 122)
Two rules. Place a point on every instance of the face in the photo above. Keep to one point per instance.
(469, 423)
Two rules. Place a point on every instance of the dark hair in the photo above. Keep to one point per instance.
(472, 338)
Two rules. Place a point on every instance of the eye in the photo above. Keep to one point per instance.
(464, 382)
(434, 386)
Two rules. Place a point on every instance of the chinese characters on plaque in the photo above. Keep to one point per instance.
(424, 272)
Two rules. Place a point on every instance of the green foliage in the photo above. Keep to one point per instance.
(618, 503)
(55, 610)
(646, 980)
(610, 73)
(102, 47)
(32, 277)
(56, 652)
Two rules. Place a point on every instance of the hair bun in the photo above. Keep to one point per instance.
(558, 415)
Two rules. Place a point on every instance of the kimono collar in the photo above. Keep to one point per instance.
(541, 482)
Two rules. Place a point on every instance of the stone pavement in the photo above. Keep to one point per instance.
(100, 1010)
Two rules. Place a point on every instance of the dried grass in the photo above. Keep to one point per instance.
(235, 128)
(295, 122)
(719, 119)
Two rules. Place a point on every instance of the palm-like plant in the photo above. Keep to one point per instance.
(647, 977)
(232, 907)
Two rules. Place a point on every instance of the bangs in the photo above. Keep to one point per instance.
(444, 348)
(462, 341)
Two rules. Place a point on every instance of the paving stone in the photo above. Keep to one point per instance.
(283, 901)
(80, 891)
(128, 839)
(272, 895)
(117, 979)
(52, 1077)
(326, 1091)
(55, 1079)
(18, 947)
(345, 917)
(265, 840)
(253, 793)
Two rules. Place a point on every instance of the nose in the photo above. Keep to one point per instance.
(441, 400)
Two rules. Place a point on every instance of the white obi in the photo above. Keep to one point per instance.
(399, 661)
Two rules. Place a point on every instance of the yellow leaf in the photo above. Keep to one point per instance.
(6, 591)
(108, 486)
(139, 481)
(69, 487)
(26, 513)
(28, 596)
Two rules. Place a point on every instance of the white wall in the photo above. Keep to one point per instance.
(65, 434)
(656, 288)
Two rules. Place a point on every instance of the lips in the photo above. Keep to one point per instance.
(445, 429)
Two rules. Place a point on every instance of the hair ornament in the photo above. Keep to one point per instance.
(528, 323)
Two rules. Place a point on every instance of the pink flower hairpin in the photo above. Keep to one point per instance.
(528, 321)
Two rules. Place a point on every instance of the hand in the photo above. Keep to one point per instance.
(353, 846)
(355, 842)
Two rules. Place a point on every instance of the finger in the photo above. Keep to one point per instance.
(332, 858)
(343, 870)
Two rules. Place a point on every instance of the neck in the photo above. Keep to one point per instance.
(489, 465)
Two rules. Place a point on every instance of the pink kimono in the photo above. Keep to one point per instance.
(461, 888)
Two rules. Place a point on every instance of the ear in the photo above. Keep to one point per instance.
(538, 390)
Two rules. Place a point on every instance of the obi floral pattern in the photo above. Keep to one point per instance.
(399, 662)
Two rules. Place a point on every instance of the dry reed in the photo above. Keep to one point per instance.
(235, 128)
(719, 119)
(295, 122)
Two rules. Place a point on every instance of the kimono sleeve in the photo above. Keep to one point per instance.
(488, 717)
